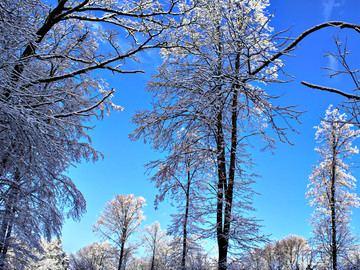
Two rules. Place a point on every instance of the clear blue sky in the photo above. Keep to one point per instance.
(281, 203)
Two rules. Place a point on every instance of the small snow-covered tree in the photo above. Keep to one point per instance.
(53, 257)
(50, 256)
(120, 219)
(96, 256)
(154, 239)
(181, 175)
(290, 253)
(330, 186)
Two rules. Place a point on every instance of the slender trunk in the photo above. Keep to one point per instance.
(121, 255)
(184, 251)
(223, 241)
(153, 259)
(333, 213)
(221, 238)
(8, 221)
(230, 188)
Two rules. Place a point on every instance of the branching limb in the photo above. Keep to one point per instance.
(86, 109)
(302, 36)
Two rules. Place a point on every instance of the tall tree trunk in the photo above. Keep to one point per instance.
(222, 186)
(121, 255)
(226, 185)
(222, 240)
(333, 213)
(153, 258)
(184, 251)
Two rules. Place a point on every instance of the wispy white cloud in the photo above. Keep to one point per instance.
(328, 6)
(333, 63)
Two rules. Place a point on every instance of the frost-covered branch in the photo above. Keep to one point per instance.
(331, 90)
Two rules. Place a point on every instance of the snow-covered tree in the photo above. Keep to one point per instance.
(49, 256)
(120, 219)
(290, 253)
(154, 239)
(181, 175)
(96, 256)
(210, 86)
(48, 50)
(52, 257)
(330, 186)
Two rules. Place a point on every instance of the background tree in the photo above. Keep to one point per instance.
(52, 257)
(120, 219)
(330, 186)
(180, 175)
(96, 256)
(290, 253)
(153, 239)
(296, 252)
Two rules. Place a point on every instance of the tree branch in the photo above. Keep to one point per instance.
(86, 109)
(303, 35)
(332, 90)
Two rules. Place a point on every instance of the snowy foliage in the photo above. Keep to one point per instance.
(120, 219)
(290, 253)
(96, 256)
(50, 256)
(209, 87)
(156, 243)
(48, 51)
(330, 188)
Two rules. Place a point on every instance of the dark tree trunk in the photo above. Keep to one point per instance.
(333, 214)
(222, 186)
(121, 255)
(184, 251)
(8, 221)
(153, 259)
(226, 185)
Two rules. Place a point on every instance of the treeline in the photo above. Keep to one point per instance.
(290, 253)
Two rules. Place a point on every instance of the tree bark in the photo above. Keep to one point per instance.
(8, 221)
(121, 255)
(184, 251)
(222, 186)
(153, 258)
(333, 211)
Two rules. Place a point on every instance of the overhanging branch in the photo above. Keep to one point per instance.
(86, 109)
(332, 90)
(304, 34)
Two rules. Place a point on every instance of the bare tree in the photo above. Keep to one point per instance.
(120, 220)
(351, 106)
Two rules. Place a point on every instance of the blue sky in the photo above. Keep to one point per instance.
(281, 204)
